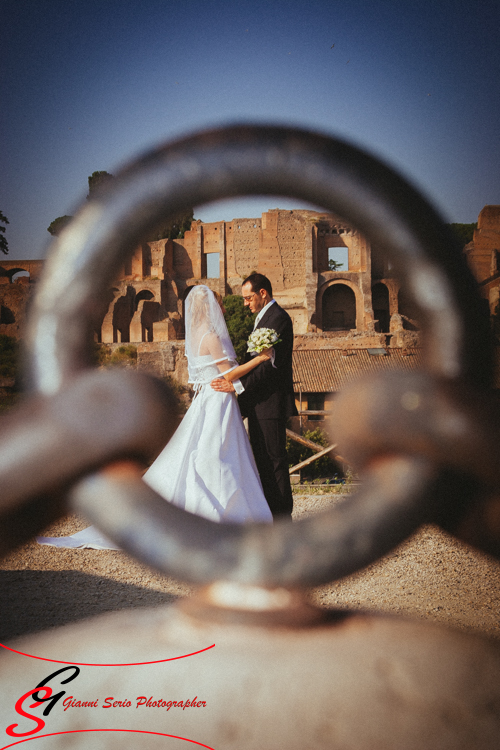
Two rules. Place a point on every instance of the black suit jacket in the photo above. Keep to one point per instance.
(269, 390)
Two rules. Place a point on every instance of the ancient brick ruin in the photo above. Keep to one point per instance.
(483, 255)
(359, 307)
(17, 279)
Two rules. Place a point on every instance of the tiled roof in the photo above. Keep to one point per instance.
(327, 370)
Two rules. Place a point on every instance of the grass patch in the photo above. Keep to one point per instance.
(123, 355)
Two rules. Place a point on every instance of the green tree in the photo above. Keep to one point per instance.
(463, 232)
(334, 265)
(239, 321)
(173, 229)
(55, 228)
(98, 180)
(4, 247)
(122, 355)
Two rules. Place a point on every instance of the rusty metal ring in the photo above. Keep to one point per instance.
(260, 160)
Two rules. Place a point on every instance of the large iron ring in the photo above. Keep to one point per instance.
(400, 492)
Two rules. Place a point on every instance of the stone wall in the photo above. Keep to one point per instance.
(243, 251)
(14, 302)
(483, 254)
(15, 293)
(316, 341)
(165, 358)
(8, 268)
(145, 304)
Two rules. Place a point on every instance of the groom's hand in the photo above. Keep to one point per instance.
(221, 384)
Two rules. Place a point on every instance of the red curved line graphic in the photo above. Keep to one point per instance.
(139, 731)
(83, 664)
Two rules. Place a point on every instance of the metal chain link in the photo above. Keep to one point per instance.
(410, 460)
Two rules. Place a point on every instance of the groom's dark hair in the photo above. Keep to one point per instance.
(258, 282)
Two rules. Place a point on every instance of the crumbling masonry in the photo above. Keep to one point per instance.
(360, 306)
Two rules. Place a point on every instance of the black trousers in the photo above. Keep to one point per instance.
(268, 440)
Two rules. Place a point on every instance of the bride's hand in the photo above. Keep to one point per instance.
(267, 354)
(221, 384)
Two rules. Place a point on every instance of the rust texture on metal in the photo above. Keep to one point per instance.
(284, 673)
(354, 682)
(403, 481)
(49, 442)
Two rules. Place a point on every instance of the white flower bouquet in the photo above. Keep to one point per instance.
(262, 338)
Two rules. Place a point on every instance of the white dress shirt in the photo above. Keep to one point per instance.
(262, 312)
(238, 385)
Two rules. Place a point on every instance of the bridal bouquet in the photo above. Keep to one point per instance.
(262, 338)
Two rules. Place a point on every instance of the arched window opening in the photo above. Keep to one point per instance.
(122, 315)
(339, 308)
(7, 317)
(381, 310)
(150, 315)
(146, 313)
(144, 294)
(21, 277)
(378, 263)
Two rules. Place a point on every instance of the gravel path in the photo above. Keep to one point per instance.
(431, 576)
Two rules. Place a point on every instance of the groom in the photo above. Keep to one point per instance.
(265, 395)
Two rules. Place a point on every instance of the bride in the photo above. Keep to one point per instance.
(207, 467)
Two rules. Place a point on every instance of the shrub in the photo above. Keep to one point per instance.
(181, 392)
(239, 321)
(323, 467)
(123, 355)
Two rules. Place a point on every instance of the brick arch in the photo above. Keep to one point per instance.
(8, 268)
(11, 272)
(144, 294)
(357, 318)
(7, 316)
(146, 313)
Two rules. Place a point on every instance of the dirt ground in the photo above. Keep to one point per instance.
(432, 576)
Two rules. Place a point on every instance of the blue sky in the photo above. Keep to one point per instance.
(87, 85)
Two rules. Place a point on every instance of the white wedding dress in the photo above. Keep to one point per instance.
(207, 467)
